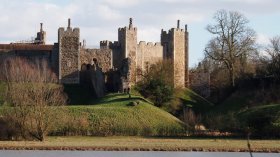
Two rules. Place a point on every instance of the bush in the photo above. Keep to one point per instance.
(157, 91)
(157, 84)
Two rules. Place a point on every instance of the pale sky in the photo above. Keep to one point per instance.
(100, 19)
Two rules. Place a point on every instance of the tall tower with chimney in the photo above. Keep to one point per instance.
(175, 47)
(127, 37)
(69, 54)
(41, 36)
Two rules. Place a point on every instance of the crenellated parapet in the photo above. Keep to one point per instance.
(105, 44)
(149, 44)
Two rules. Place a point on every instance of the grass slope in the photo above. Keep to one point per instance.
(193, 100)
(264, 120)
(238, 101)
(252, 109)
(114, 115)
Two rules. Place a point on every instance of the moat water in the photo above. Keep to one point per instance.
(42, 153)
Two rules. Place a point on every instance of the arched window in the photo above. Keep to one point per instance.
(94, 60)
(83, 67)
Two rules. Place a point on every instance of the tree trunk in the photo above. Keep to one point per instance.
(232, 76)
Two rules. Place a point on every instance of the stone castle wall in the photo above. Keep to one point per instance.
(187, 81)
(175, 47)
(179, 57)
(104, 58)
(69, 55)
(128, 44)
(117, 55)
(148, 54)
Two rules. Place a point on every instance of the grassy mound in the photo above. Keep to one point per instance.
(193, 100)
(117, 114)
(238, 101)
(263, 120)
(245, 109)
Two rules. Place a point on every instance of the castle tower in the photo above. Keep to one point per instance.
(175, 47)
(187, 81)
(69, 54)
(41, 36)
(127, 37)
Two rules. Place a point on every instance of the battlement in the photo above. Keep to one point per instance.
(176, 30)
(163, 32)
(69, 30)
(105, 44)
(173, 30)
(115, 44)
(149, 44)
(127, 29)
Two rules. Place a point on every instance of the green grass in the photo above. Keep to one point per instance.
(238, 101)
(193, 100)
(248, 109)
(114, 115)
(78, 94)
(263, 119)
(269, 110)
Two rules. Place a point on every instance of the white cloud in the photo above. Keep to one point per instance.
(107, 13)
(188, 17)
(149, 34)
(100, 19)
(121, 3)
(262, 39)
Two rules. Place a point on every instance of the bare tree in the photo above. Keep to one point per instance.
(33, 95)
(273, 65)
(233, 41)
(273, 49)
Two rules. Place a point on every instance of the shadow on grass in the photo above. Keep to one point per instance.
(114, 99)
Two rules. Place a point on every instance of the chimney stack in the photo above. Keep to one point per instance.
(41, 27)
(69, 23)
(130, 23)
(178, 24)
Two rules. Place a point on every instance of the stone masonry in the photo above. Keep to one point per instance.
(117, 63)
(69, 55)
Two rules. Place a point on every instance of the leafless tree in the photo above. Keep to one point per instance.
(273, 49)
(33, 95)
(233, 41)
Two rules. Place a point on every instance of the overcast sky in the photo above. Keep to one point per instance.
(100, 19)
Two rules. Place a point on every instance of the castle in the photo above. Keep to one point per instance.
(114, 66)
